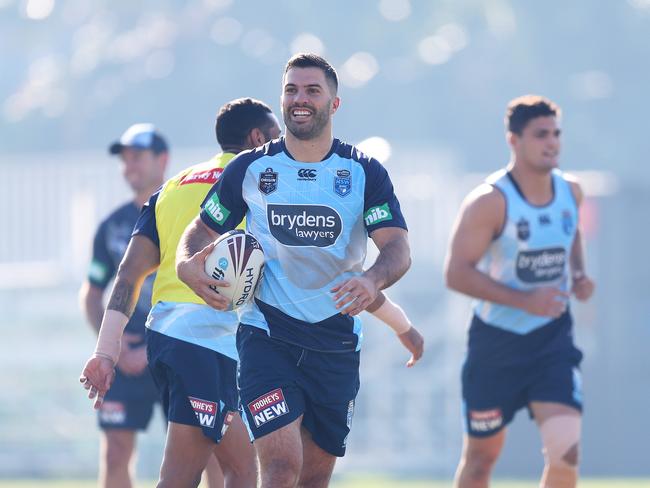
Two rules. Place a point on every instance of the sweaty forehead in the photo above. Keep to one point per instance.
(304, 77)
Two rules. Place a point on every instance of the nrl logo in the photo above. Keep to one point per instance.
(268, 181)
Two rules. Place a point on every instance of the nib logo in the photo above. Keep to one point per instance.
(378, 214)
(216, 210)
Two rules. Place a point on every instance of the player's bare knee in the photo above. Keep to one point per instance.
(117, 454)
(315, 480)
(479, 463)
(240, 475)
(280, 473)
(478, 469)
(483, 457)
(175, 482)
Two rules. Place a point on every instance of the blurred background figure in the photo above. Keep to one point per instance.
(129, 404)
(517, 250)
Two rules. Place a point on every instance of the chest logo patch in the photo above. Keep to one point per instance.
(541, 265)
(268, 181)
(523, 229)
(342, 182)
(307, 174)
(304, 225)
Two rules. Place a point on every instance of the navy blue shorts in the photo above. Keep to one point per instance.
(129, 403)
(508, 372)
(279, 382)
(198, 385)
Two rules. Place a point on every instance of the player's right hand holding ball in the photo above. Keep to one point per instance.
(192, 273)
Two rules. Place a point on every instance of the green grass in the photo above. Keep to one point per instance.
(369, 482)
(350, 482)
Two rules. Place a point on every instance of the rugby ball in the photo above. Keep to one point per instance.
(237, 258)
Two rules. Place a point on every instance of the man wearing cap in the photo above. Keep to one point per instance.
(128, 407)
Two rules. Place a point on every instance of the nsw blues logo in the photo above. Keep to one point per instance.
(523, 229)
(342, 182)
(567, 222)
(268, 181)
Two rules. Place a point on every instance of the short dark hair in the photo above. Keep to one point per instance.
(310, 60)
(523, 109)
(238, 117)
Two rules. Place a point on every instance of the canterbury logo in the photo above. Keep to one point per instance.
(306, 174)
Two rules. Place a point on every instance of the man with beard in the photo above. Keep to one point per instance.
(515, 246)
(312, 201)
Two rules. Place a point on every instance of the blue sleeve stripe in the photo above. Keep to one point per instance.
(146, 223)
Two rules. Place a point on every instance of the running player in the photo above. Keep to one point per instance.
(516, 248)
(191, 347)
(129, 405)
(312, 201)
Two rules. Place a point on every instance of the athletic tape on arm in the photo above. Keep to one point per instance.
(393, 315)
(110, 335)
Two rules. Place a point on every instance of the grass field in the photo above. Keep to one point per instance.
(351, 482)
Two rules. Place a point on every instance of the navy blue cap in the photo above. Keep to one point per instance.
(140, 136)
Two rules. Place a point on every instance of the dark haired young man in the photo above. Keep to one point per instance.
(312, 201)
(516, 248)
(190, 346)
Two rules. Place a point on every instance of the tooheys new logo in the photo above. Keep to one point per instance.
(268, 407)
(304, 225)
(541, 265)
(209, 176)
(205, 411)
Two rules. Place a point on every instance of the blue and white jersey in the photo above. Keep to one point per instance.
(532, 250)
(313, 220)
(197, 324)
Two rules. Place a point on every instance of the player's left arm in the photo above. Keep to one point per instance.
(582, 286)
(394, 316)
(386, 226)
(142, 258)
(356, 294)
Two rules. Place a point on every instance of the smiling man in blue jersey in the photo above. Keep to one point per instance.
(312, 201)
(517, 249)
